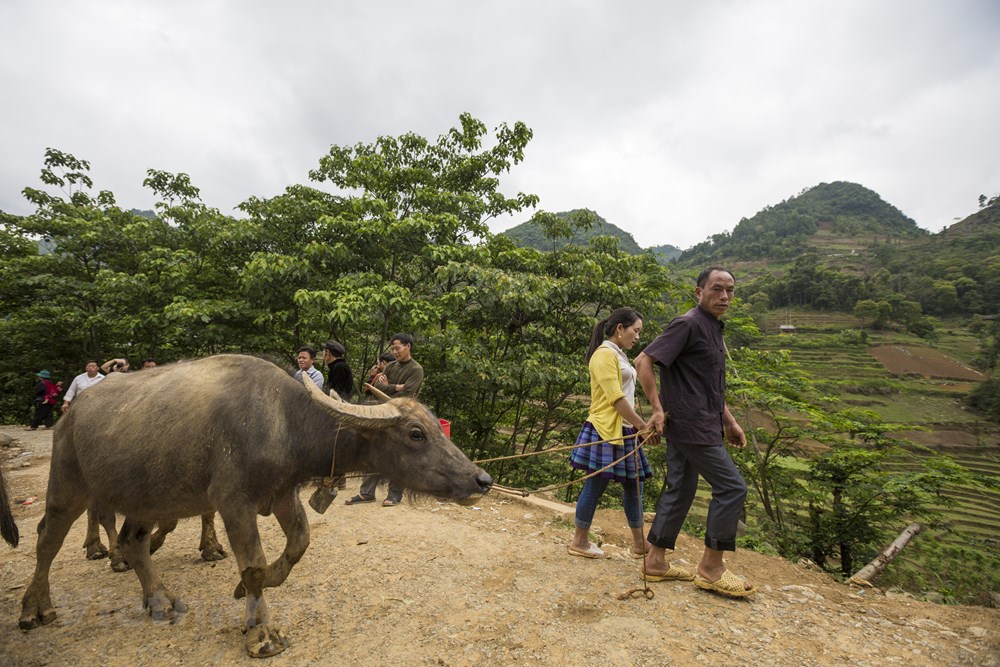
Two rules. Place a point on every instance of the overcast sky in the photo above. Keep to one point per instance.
(672, 120)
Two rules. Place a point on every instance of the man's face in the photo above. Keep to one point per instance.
(715, 296)
(400, 352)
(92, 369)
(304, 360)
(149, 364)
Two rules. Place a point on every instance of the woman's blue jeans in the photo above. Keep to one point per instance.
(593, 489)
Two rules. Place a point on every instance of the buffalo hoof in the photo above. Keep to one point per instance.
(164, 607)
(120, 565)
(35, 613)
(263, 642)
(96, 551)
(30, 619)
(118, 562)
(213, 552)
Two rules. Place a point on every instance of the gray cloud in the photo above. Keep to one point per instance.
(673, 120)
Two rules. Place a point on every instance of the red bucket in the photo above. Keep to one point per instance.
(446, 427)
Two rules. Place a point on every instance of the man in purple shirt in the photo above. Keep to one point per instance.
(690, 412)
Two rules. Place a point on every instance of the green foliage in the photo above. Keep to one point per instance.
(403, 245)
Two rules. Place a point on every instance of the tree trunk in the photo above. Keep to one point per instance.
(875, 567)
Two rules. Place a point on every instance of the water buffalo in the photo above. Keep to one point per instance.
(235, 434)
(8, 527)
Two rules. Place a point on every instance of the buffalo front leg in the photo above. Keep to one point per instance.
(209, 546)
(92, 542)
(134, 540)
(36, 605)
(261, 639)
(291, 517)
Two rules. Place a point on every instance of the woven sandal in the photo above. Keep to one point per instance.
(728, 584)
(675, 573)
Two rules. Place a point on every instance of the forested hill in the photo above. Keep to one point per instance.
(581, 226)
(784, 231)
(531, 234)
(981, 226)
(666, 252)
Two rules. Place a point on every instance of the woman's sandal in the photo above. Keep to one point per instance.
(592, 551)
(728, 584)
(358, 499)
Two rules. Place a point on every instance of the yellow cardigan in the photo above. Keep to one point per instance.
(605, 390)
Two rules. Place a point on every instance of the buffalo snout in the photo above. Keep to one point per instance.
(484, 480)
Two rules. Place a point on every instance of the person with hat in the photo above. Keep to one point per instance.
(46, 397)
(338, 377)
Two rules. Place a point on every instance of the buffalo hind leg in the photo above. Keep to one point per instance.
(291, 517)
(92, 543)
(261, 639)
(163, 528)
(134, 540)
(209, 546)
(36, 605)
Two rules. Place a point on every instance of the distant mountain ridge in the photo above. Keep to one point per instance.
(531, 235)
(785, 230)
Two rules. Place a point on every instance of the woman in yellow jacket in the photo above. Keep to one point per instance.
(612, 417)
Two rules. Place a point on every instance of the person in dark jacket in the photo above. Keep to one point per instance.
(338, 372)
(46, 397)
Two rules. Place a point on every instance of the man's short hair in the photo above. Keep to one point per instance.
(335, 348)
(703, 276)
(404, 339)
(147, 360)
(312, 352)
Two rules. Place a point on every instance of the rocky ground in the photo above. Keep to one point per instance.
(439, 584)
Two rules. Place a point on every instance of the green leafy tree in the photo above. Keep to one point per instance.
(858, 499)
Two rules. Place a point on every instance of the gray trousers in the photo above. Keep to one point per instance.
(684, 463)
(370, 483)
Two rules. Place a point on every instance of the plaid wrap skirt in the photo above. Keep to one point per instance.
(595, 457)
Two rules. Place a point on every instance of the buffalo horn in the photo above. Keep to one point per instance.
(378, 394)
(362, 416)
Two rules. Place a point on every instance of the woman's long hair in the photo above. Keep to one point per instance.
(624, 316)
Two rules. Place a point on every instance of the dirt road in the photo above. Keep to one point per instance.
(439, 584)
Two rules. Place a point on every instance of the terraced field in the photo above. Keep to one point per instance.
(927, 393)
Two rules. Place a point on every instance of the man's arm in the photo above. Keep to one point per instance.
(411, 384)
(734, 432)
(647, 380)
(70, 393)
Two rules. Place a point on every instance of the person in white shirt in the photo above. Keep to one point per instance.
(81, 382)
(306, 357)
